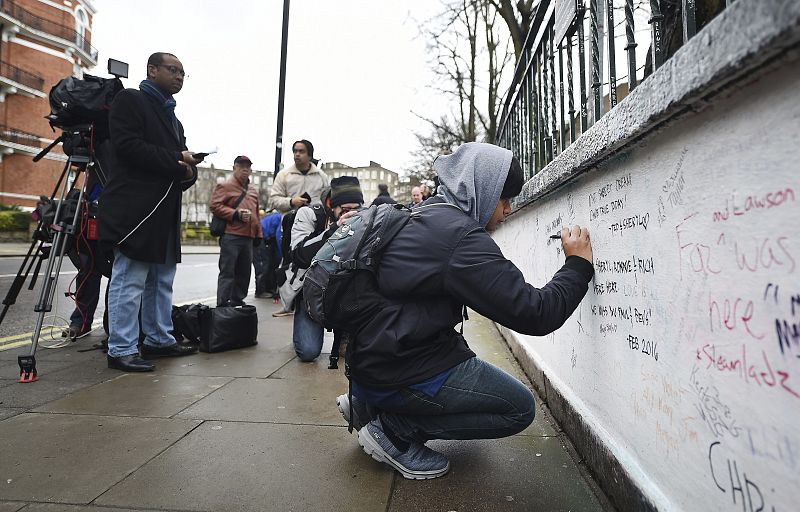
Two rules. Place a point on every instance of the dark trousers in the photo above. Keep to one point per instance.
(259, 258)
(271, 261)
(87, 292)
(235, 259)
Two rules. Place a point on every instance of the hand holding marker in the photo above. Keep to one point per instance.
(576, 242)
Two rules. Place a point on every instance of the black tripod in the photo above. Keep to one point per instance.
(58, 231)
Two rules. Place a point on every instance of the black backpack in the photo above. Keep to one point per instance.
(340, 288)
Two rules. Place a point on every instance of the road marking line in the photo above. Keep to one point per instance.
(14, 337)
(62, 273)
(9, 346)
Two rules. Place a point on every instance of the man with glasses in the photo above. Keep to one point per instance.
(307, 238)
(139, 215)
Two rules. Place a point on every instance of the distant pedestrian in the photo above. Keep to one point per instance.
(259, 258)
(241, 233)
(426, 191)
(383, 195)
(416, 197)
(271, 231)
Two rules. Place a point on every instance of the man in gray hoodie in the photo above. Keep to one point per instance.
(413, 375)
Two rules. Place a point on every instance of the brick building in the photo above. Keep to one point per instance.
(42, 42)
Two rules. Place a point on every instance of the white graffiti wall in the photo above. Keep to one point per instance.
(685, 354)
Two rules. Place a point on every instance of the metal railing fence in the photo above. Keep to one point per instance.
(550, 102)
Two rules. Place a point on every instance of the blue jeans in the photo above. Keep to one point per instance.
(477, 401)
(134, 284)
(307, 335)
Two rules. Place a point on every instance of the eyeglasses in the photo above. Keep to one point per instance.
(173, 69)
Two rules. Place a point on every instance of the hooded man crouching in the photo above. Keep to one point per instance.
(413, 376)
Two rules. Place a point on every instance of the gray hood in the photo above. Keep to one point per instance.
(472, 178)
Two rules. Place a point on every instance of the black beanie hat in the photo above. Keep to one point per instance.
(514, 180)
(346, 189)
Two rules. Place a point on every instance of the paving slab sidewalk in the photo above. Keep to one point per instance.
(249, 430)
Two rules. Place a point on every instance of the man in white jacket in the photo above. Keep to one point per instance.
(300, 184)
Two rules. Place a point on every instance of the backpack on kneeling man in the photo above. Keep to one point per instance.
(339, 289)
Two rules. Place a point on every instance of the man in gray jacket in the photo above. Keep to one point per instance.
(409, 363)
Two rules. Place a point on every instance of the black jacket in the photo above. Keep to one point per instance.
(144, 177)
(439, 262)
(383, 198)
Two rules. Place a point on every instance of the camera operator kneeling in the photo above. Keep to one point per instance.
(344, 200)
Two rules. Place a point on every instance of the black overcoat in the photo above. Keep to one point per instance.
(140, 207)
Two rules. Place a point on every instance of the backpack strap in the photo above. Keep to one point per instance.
(321, 218)
(241, 198)
(396, 219)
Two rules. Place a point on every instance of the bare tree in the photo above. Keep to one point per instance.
(444, 136)
(469, 51)
(518, 16)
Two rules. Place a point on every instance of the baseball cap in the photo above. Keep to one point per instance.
(241, 159)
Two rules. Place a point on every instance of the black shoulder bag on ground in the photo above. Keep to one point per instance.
(218, 224)
(228, 327)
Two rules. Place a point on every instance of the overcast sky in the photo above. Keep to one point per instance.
(356, 69)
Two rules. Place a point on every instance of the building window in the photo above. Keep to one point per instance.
(81, 23)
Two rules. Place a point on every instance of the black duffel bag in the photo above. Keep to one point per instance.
(186, 322)
(228, 327)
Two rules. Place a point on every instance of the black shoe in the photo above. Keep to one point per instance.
(131, 363)
(76, 331)
(175, 350)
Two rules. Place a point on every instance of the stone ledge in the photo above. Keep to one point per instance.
(739, 42)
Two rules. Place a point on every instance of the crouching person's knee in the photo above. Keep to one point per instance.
(524, 414)
(306, 356)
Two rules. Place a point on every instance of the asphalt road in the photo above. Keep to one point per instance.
(195, 281)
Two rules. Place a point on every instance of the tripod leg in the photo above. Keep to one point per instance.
(49, 282)
(16, 286)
